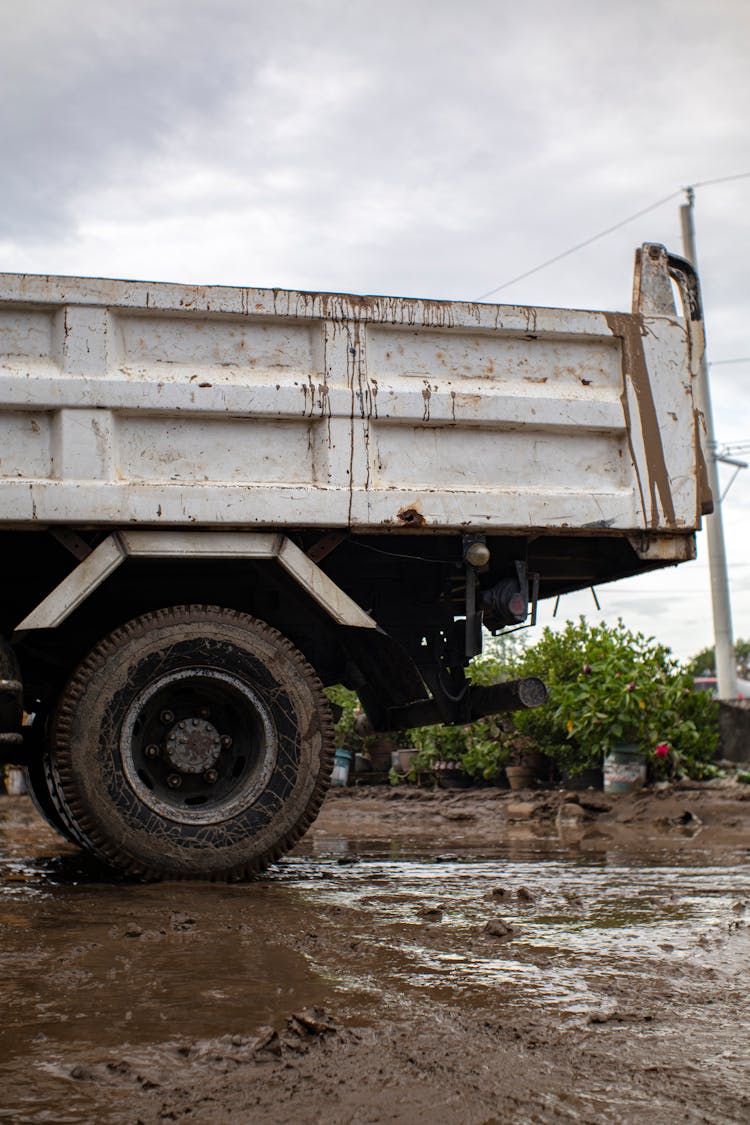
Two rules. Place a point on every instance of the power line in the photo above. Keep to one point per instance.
(609, 230)
(580, 245)
(739, 359)
(720, 180)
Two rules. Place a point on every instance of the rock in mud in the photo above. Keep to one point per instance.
(314, 1022)
(83, 1074)
(523, 894)
(594, 802)
(572, 813)
(602, 1015)
(267, 1042)
(497, 928)
(180, 922)
(521, 810)
(689, 819)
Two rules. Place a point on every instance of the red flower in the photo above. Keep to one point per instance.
(662, 750)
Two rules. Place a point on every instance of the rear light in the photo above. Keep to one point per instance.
(505, 604)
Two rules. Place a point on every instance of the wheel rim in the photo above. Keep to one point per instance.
(198, 745)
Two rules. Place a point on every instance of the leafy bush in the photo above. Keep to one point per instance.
(609, 685)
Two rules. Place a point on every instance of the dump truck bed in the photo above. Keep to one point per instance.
(156, 404)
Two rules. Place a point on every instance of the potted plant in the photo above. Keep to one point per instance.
(441, 750)
(610, 687)
(609, 715)
(455, 756)
(524, 763)
(628, 698)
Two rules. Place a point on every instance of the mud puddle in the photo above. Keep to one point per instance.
(369, 981)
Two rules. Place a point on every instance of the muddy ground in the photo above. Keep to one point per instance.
(451, 957)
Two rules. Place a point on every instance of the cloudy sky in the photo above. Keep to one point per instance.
(415, 147)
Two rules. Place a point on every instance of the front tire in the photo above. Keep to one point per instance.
(194, 742)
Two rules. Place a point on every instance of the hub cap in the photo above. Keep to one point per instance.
(193, 745)
(198, 745)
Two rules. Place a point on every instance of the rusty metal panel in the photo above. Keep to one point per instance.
(166, 405)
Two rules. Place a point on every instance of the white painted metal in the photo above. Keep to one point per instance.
(73, 590)
(170, 406)
(107, 557)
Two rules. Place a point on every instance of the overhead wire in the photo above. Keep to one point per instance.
(581, 245)
(719, 180)
(610, 230)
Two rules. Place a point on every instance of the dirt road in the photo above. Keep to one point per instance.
(468, 957)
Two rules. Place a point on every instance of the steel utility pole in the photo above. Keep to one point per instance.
(726, 673)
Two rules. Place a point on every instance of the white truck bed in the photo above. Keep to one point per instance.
(168, 405)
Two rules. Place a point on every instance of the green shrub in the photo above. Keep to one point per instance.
(347, 701)
(609, 685)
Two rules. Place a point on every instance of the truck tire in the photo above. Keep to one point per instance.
(193, 742)
(38, 783)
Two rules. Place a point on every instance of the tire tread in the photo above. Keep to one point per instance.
(64, 791)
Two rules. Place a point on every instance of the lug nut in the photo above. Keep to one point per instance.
(174, 781)
(210, 777)
(167, 716)
(226, 741)
(152, 751)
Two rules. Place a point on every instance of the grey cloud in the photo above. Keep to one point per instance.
(436, 109)
(92, 88)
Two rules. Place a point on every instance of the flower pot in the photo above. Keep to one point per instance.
(520, 777)
(538, 761)
(624, 769)
(380, 750)
(342, 760)
(15, 781)
(405, 759)
(451, 775)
